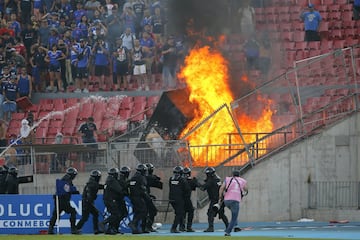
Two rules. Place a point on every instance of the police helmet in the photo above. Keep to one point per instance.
(72, 172)
(96, 174)
(236, 173)
(125, 171)
(187, 171)
(13, 171)
(150, 168)
(210, 171)
(113, 172)
(141, 168)
(178, 170)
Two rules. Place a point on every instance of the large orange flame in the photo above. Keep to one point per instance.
(206, 75)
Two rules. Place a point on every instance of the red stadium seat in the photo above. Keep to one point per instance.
(336, 34)
(86, 111)
(59, 104)
(346, 7)
(322, 8)
(336, 25)
(334, 16)
(302, 3)
(328, 2)
(295, 10)
(346, 16)
(286, 27)
(349, 24)
(342, 2)
(299, 36)
(339, 44)
(18, 116)
(350, 33)
(301, 46)
(314, 45)
(287, 36)
(125, 114)
(289, 45)
(127, 103)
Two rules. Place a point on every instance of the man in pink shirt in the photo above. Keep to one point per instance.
(231, 192)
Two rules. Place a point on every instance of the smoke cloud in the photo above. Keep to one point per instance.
(201, 16)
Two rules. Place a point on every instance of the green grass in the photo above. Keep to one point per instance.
(133, 237)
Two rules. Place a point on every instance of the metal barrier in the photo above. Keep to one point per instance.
(334, 195)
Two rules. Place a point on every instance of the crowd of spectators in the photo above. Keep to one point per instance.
(66, 44)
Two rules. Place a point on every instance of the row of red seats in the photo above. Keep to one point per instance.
(65, 116)
(304, 3)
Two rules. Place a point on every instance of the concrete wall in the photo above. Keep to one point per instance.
(278, 187)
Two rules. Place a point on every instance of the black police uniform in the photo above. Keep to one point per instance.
(152, 181)
(64, 202)
(212, 185)
(193, 183)
(177, 189)
(113, 198)
(11, 181)
(88, 198)
(124, 183)
(3, 174)
(138, 194)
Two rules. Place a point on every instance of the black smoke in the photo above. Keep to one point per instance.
(208, 17)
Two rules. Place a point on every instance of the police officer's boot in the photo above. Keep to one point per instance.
(189, 228)
(51, 230)
(209, 229)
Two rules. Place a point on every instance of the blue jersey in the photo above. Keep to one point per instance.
(357, 3)
(37, 4)
(101, 57)
(10, 90)
(311, 20)
(78, 15)
(84, 60)
(24, 85)
(53, 57)
(16, 27)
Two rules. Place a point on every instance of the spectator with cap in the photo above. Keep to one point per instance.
(312, 20)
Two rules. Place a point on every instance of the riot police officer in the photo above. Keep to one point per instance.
(193, 183)
(11, 181)
(124, 183)
(64, 189)
(177, 189)
(212, 186)
(113, 199)
(88, 198)
(3, 174)
(152, 181)
(138, 194)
